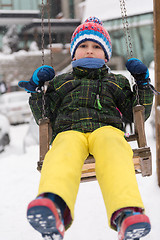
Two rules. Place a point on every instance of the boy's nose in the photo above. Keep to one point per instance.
(89, 50)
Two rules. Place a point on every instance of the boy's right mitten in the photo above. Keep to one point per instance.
(40, 76)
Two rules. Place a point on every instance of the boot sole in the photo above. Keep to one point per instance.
(137, 231)
(134, 227)
(43, 217)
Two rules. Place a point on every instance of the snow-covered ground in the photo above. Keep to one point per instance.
(19, 181)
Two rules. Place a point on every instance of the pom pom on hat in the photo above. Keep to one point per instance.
(92, 30)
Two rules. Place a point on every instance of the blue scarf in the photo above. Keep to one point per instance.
(88, 63)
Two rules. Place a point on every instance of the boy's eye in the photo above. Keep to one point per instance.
(97, 46)
(82, 45)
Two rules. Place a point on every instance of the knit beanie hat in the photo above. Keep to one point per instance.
(92, 30)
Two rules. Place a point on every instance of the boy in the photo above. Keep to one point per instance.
(84, 109)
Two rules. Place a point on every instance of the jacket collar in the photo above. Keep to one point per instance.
(90, 73)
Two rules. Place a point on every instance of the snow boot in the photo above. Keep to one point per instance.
(132, 225)
(46, 218)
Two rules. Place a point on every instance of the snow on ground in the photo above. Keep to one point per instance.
(19, 181)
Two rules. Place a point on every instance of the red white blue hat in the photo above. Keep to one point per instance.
(92, 30)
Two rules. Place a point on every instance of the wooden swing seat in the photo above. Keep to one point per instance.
(141, 160)
(141, 156)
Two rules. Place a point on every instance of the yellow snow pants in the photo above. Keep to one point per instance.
(61, 171)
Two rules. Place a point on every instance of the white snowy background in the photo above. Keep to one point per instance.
(19, 178)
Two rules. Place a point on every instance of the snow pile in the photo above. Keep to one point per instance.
(10, 40)
(33, 46)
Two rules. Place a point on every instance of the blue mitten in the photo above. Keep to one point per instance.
(40, 76)
(138, 70)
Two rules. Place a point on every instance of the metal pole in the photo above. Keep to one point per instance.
(156, 14)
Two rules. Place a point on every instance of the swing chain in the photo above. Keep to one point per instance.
(42, 28)
(137, 94)
(42, 42)
(49, 29)
(128, 41)
(126, 28)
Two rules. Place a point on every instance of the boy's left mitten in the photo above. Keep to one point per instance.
(139, 71)
(40, 76)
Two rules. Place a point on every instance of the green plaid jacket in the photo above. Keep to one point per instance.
(87, 99)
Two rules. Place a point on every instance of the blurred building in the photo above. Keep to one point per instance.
(21, 29)
(64, 16)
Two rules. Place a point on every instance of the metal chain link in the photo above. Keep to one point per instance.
(49, 29)
(128, 40)
(42, 31)
(126, 28)
(42, 42)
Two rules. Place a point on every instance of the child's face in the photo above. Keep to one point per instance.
(89, 49)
